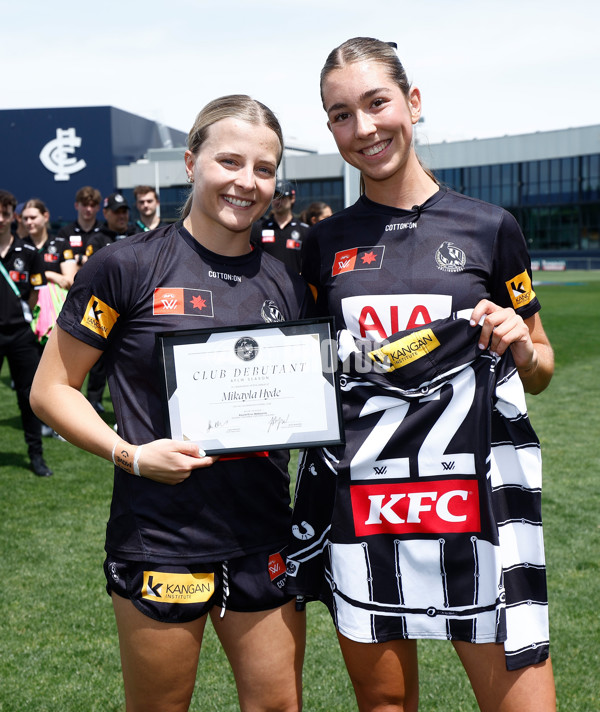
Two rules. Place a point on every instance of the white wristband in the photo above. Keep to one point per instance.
(113, 452)
(136, 457)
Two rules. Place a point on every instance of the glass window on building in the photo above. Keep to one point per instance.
(330, 191)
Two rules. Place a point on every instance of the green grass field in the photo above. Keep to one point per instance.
(59, 642)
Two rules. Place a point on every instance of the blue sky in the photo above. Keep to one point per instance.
(484, 68)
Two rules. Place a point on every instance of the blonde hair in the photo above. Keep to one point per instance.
(234, 106)
(364, 49)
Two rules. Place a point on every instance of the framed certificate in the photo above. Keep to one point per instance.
(252, 388)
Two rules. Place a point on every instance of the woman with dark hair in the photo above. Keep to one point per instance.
(316, 212)
(427, 523)
(56, 252)
(188, 535)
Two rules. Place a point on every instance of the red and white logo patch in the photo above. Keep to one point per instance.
(357, 258)
(432, 507)
(182, 301)
(276, 566)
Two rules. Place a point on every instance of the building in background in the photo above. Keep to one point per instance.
(549, 180)
(51, 153)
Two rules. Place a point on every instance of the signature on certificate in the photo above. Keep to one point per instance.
(216, 425)
(276, 422)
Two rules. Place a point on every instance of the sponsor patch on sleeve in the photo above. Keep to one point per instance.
(36, 279)
(99, 317)
(520, 290)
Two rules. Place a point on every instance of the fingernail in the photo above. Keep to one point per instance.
(472, 322)
(481, 346)
(201, 453)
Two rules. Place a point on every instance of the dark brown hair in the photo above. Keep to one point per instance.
(364, 49)
(88, 196)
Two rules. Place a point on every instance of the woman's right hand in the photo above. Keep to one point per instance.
(170, 461)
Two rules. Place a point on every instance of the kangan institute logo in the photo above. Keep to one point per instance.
(56, 154)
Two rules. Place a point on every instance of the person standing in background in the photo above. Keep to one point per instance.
(57, 255)
(21, 275)
(281, 234)
(147, 203)
(316, 212)
(87, 204)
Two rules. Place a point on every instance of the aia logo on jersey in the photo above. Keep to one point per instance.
(450, 258)
(378, 316)
(520, 290)
(357, 258)
(181, 301)
(75, 240)
(431, 507)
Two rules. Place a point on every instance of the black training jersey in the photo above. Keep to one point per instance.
(104, 237)
(164, 280)
(285, 243)
(54, 252)
(77, 236)
(26, 270)
(380, 270)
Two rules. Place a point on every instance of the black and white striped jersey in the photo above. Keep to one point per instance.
(427, 523)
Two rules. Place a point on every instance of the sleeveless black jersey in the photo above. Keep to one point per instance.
(163, 280)
(380, 270)
(427, 523)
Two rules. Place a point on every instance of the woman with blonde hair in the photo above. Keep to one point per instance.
(189, 536)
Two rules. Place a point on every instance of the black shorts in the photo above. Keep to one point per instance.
(173, 593)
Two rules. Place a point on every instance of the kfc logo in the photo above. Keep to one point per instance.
(434, 507)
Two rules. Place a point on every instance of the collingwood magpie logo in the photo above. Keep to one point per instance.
(450, 258)
(270, 312)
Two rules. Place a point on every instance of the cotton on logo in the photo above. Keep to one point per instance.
(435, 507)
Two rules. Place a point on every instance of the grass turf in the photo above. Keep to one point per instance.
(59, 642)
